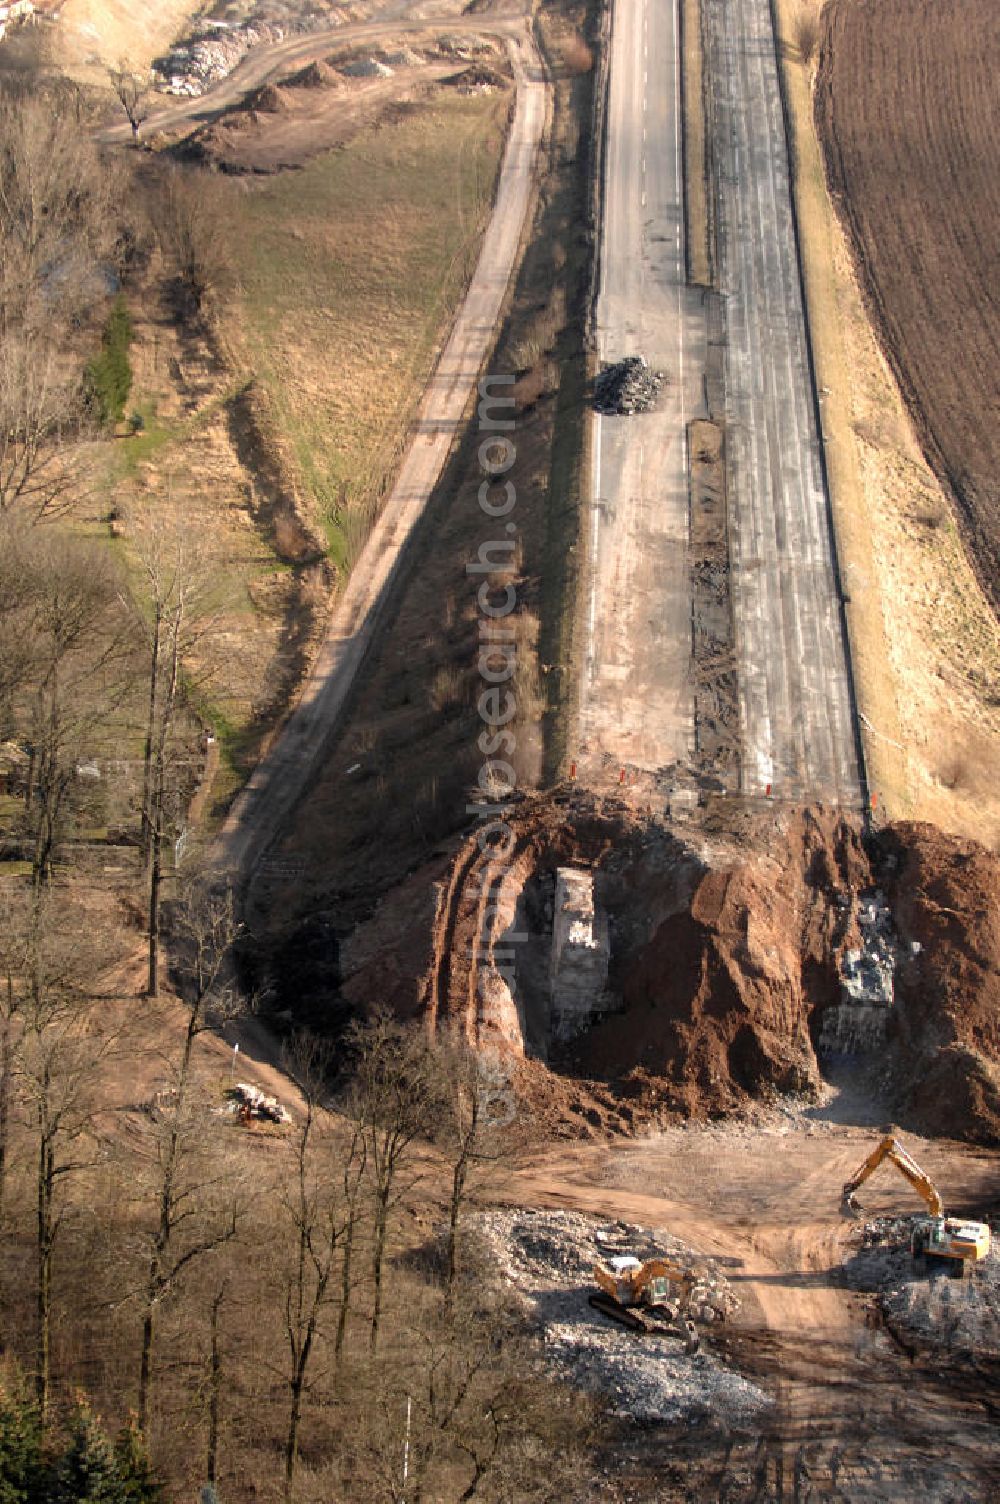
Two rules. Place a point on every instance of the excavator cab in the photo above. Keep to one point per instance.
(951, 1240)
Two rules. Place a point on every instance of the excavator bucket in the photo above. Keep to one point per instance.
(849, 1206)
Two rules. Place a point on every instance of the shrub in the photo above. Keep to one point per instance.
(109, 375)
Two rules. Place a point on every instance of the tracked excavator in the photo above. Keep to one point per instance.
(937, 1240)
(638, 1296)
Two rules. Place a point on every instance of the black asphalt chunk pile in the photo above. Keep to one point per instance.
(627, 386)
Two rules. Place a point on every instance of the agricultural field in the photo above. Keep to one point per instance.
(909, 116)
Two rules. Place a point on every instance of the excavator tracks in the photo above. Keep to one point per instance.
(655, 1321)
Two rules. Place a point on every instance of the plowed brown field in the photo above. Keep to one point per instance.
(908, 111)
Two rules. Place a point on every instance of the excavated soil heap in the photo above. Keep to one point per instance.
(315, 75)
(726, 951)
(269, 100)
(945, 896)
(718, 1004)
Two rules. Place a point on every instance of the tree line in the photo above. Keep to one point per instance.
(320, 1282)
(190, 1304)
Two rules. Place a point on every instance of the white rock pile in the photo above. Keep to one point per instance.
(548, 1257)
(931, 1310)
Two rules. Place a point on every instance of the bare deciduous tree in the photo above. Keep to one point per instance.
(470, 1134)
(132, 89)
(317, 1222)
(40, 401)
(53, 967)
(396, 1099)
(175, 619)
(70, 618)
(60, 212)
(188, 1226)
(191, 228)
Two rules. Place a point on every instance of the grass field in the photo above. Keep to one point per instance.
(351, 270)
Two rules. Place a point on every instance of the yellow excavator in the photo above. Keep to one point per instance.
(637, 1296)
(937, 1240)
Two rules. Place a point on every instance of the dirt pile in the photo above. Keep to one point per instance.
(945, 896)
(729, 955)
(269, 100)
(315, 75)
(718, 1004)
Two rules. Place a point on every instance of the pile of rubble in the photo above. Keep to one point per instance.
(250, 1104)
(219, 46)
(367, 67)
(548, 1257)
(930, 1311)
(627, 386)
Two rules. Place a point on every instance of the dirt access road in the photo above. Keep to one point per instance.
(854, 1418)
(279, 779)
(263, 63)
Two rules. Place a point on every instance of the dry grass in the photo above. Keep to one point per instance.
(351, 271)
(93, 34)
(925, 650)
(695, 176)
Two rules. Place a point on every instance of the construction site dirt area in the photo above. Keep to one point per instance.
(879, 1383)
(909, 116)
(312, 109)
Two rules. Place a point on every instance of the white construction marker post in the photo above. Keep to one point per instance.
(232, 1068)
(406, 1451)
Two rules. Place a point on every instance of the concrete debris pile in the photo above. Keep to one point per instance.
(479, 78)
(867, 972)
(220, 45)
(581, 947)
(928, 1311)
(192, 68)
(467, 47)
(548, 1256)
(402, 57)
(367, 67)
(250, 1104)
(627, 386)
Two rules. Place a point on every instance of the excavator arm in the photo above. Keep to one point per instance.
(891, 1149)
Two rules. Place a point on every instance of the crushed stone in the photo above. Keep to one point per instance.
(927, 1310)
(548, 1257)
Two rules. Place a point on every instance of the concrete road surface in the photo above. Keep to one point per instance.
(280, 778)
(636, 698)
(795, 706)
